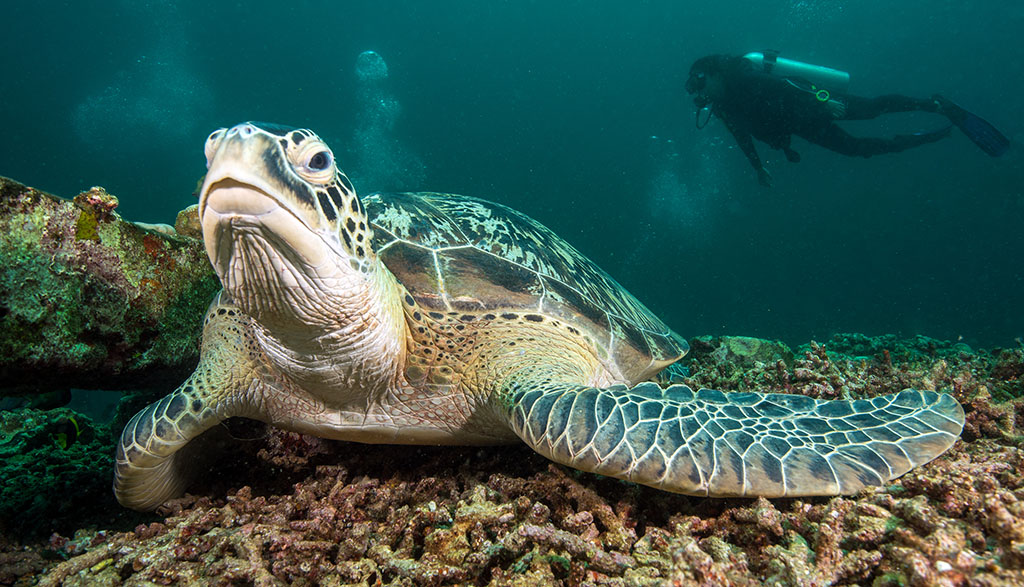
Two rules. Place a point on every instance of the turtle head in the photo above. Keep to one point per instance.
(282, 225)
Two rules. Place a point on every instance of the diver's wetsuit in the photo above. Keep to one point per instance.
(772, 109)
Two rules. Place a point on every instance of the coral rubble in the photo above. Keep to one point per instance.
(305, 511)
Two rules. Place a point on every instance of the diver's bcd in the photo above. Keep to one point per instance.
(825, 77)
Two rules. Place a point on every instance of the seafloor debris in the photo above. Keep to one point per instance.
(305, 511)
(91, 300)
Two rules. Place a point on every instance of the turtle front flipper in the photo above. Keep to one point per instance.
(149, 469)
(734, 444)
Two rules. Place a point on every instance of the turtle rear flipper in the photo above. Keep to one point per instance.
(735, 444)
(149, 469)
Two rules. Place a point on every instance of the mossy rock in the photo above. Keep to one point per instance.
(55, 468)
(94, 301)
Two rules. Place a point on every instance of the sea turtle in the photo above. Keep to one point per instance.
(425, 318)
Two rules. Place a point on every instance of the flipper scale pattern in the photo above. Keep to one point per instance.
(711, 443)
(148, 468)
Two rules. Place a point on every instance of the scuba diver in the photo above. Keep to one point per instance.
(763, 96)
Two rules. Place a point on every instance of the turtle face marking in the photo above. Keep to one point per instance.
(277, 214)
(295, 168)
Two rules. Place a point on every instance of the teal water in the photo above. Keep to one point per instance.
(574, 113)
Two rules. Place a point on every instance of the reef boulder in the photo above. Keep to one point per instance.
(91, 300)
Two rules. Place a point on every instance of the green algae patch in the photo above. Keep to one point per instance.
(85, 227)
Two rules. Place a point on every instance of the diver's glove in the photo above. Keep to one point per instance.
(763, 177)
(835, 108)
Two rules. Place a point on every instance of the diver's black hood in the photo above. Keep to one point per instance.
(706, 66)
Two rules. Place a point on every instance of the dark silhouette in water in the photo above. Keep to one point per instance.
(772, 107)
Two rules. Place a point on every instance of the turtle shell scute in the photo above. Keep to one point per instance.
(458, 253)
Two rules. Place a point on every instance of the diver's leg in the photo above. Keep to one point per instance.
(836, 139)
(861, 108)
(784, 144)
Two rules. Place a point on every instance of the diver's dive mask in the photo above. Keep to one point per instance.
(696, 82)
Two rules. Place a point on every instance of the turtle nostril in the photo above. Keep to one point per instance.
(242, 129)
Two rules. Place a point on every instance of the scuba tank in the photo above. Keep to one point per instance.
(825, 77)
(817, 80)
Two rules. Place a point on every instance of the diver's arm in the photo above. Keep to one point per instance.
(746, 143)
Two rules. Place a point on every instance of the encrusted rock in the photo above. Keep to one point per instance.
(90, 300)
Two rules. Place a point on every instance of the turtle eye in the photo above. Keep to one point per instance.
(313, 161)
(320, 161)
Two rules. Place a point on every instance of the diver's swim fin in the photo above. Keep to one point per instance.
(987, 137)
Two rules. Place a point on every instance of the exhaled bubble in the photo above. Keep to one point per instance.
(371, 67)
(154, 98)
(382, 161)
(806, 12)
(147, 101)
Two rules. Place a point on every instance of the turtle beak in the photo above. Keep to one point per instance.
(231, 209)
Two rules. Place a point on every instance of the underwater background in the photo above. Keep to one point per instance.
(574, 113)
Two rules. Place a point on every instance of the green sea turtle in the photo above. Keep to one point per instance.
(424, 318)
